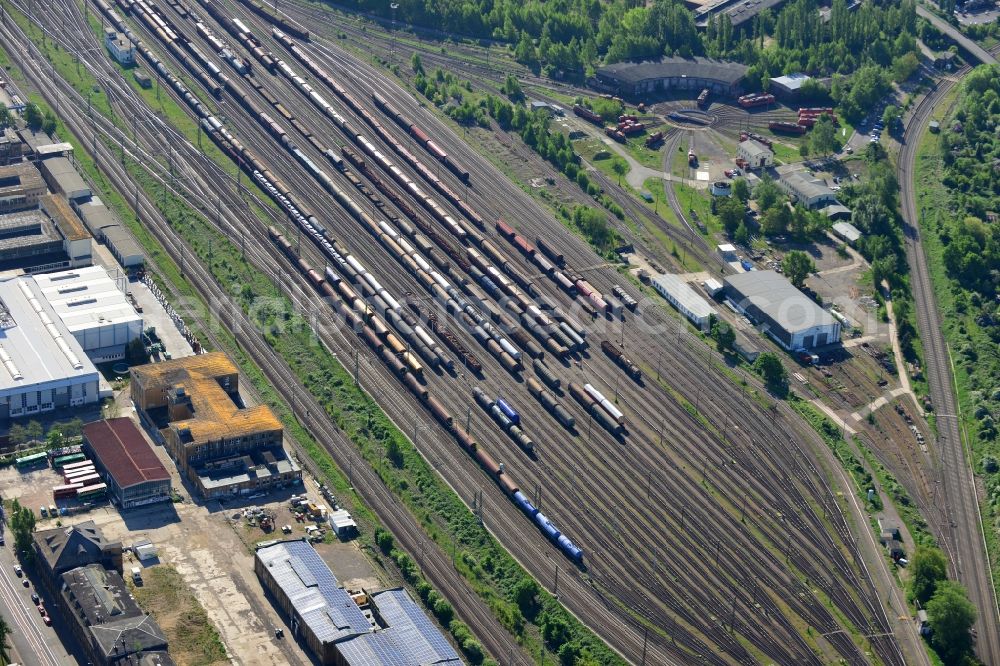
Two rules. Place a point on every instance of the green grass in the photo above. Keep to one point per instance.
(782, 153)
(700, 202)
(190, 634)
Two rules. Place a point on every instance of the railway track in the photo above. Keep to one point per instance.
(962, 523)
(433, 560)
(606, 517)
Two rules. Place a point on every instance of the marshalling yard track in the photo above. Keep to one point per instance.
(710, 522)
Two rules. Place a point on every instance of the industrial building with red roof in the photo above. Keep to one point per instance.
(125, 458)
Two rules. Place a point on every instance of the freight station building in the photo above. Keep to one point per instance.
(785, 313)
(332, 622)
(95, 309)
(636, 79)
(42, 366)
(126, 461)
(220, 445)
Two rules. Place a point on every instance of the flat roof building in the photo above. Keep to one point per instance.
(119, 46)
(785, 313)
(810, 192)
(63, 178)
(634, 79)
(95, 309)
(125, 459)
(687, 301)
(219, 444)
(20, 186)
(43, 366)
(319, 611)
(847, 231)
(787, 87)
(105, 228)
(405, 636)
(107, 621)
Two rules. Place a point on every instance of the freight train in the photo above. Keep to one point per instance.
(506, 417)
(622, 360)
(755, 99)
(588, 115)
(359, 315)
(788, 128)
(283, 22)
(421, 136)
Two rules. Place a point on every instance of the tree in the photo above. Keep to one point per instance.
(526, 596)
(891, 116)
(797, 266)
(741, 190)
(33, 116)
(135, 352)
(393, 452)
(17, 434)
(775, 220)
(4, 646)
(823, 138)
(724, 336)
(49, 123)
(22, 524)
(742, 235)
(951, 616)
(620, 168)
(767, 193)
(927, 566)
(5, 116)
(417, 64)
(730, 213)
(55, 439)
(34, 431)
(904, 66)
(769, 366)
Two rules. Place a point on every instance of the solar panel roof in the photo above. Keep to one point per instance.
(307, 581)
(409, 639)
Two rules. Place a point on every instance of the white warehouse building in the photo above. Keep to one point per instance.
(94, 309)
(687, 301)
(782, 311)
(42, 366)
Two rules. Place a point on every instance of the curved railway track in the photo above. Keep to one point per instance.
(691, 603)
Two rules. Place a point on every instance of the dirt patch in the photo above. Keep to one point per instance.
(191, 636)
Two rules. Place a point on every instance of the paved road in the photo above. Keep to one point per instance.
(970, 47)
(963, 529)
(34, 642)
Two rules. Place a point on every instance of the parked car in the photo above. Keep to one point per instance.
(34, 599)
(47, 620)
(17, 570)
(41, 609)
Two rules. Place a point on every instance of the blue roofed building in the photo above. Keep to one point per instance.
(406, 636)
(336, 629)
(319, 611)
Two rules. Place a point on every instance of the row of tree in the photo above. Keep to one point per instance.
(569, 38)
